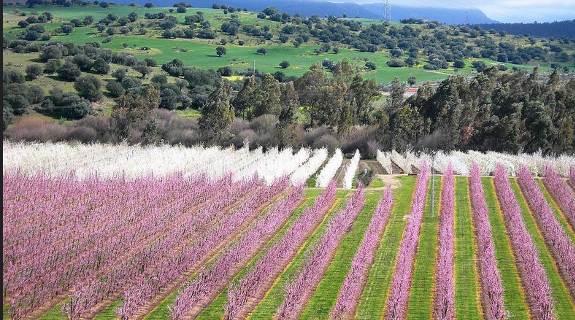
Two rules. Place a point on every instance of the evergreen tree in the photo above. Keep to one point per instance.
(243, 101)
(217, 115)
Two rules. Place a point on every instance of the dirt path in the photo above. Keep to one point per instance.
(390, 180)
(341, 173)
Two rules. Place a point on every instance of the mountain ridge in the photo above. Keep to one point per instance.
(352, 10)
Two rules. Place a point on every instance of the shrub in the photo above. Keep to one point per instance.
(19, 103)
(101, 66)
(89, 87)
(284, 64)
(35, 94)
(12, 76)
(69, 71)
(115, 88)
(52, 66)
(83, 62)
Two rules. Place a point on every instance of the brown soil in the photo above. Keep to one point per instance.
(390, 180)
(396, 169)
(340, 173)
(372, 165)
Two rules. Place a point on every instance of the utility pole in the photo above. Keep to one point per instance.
(254, 67)
(386, 11)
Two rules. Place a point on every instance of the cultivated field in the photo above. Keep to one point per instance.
(104, 232)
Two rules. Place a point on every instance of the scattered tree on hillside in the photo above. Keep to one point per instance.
(220, 51)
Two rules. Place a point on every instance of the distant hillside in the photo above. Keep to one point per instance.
(323, 8)
(444, 15)
(547, 29)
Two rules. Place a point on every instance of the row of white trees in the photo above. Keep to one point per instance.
(106, 160)
(461, 162)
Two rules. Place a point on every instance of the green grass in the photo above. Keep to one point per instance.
(563, 306)
(109, 312)
(188, 113)
(467, 305)
(374, 296)
(556, 210)
(268, 306)
(377, 183)
(421, 295)
(324, 297)
(513, 296)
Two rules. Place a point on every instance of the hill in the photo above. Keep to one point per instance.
(345, 78)
(338, 9)
(556, 29)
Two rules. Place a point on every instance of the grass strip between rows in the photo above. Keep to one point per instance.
(421, 296)
(467, 303)
(373, 299)
(325, 295)
(513, 296)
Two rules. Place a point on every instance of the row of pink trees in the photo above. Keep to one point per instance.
(398, 298)
(211, 279)
(258, 279)
(558, 242)
(561, 192)
(318, 258)
(533, 276)
(150, 283)
(88, 294)
(489, 275)
(443, 299)
(122, 217)
(350, 292)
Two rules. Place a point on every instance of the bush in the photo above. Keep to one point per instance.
(69, 71)
(101, 66)
(284, 64)
(35, 94)
(459, 64)
(31, 35)
(83, 62)
(130, 82)
(52, 66)
(115, 88)
(395, 63)
(12, 76)
(479, 65)
(19, 103)
(225, 71)
(89, 87)
(51, 52)
(151, 62)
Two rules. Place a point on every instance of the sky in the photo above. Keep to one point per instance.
(526, 11)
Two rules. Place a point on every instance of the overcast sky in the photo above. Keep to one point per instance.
(500, 10)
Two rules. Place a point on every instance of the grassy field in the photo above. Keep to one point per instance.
(202, 53)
